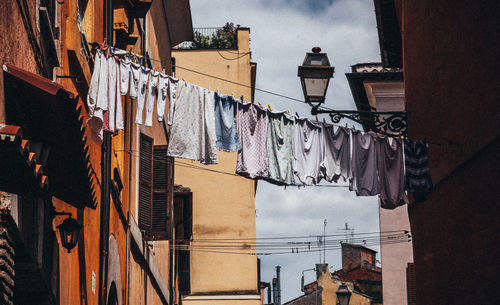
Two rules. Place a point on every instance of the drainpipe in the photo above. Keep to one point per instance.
(105, 177)
(172, 266)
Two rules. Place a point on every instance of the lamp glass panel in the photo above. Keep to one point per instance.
(315, 86)
(316, 60)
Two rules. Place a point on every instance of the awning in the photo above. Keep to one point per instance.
(21, 172)
(50, 118)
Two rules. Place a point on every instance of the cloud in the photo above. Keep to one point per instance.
(282, 31)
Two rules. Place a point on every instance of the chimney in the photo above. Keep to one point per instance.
(275, 294)
(321, 269)
(278, 286)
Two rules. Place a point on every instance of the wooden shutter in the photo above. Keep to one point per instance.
(411, 284)
(145, 183)
(160, 224)
(184, 271)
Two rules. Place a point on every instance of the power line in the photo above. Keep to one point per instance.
(194, 166)
(305, 236)
(291, 251)
(243, 85)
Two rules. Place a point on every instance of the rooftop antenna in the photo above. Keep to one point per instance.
(324, 239)
(348, 231)
(320, 242)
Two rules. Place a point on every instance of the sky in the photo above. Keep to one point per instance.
(282, 31)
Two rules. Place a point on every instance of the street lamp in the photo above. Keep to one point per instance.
(315, 74)
(343, 295)
(69, 230)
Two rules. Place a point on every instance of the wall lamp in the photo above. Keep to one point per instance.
(69, 230)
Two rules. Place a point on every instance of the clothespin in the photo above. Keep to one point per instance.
(296, 114)
(346, 127)
(289, 111)
(269, 106)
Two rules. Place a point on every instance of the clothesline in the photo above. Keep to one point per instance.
(138, 56)
(276, 146)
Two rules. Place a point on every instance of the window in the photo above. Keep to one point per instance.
(411, 284)
(183, 214)
(49, 33)
(154, 182)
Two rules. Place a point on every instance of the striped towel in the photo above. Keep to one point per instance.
(417, 179)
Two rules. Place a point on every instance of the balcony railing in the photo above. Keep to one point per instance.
(213, 38)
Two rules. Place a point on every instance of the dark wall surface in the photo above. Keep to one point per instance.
(452, 87)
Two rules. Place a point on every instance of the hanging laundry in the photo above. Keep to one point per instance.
(125, 59)
(173, 82)
(252, 156)
(162, 96)
(125, 74)
(96, 114)
(225, 123)
(337, 154)
(193, 129)
(364, 178)
(390, 172)
(113, 117)
(118, 114)
(279, 147)
(141, 93)
(308, 151)
(135, 71)
(152, 93)
(418, 178)
(109, 113)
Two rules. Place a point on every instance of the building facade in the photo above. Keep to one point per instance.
(51, 161)
(323, 290)
(376, 87)
(223, 203)
(447, 61)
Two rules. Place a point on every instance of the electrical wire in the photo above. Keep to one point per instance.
(240, 55)
(293, 250)
(306, 236)
(193, 166)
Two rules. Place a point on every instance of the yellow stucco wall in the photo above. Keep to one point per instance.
(223, 203)
(330, 287)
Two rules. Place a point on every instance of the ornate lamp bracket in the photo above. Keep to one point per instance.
(387, 123)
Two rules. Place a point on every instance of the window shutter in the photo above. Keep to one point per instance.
(411, 284)
(145, 183)
(160, 224)
(184, 272)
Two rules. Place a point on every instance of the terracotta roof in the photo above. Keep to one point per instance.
(20, 169)
(313, 298)
(50, 117)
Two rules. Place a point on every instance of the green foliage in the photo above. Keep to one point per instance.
(223, 38)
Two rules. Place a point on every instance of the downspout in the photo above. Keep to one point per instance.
(105, 176)
(129, 195)
(172, 267)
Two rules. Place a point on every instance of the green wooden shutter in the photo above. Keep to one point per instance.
(160, 220)
(145, 183)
